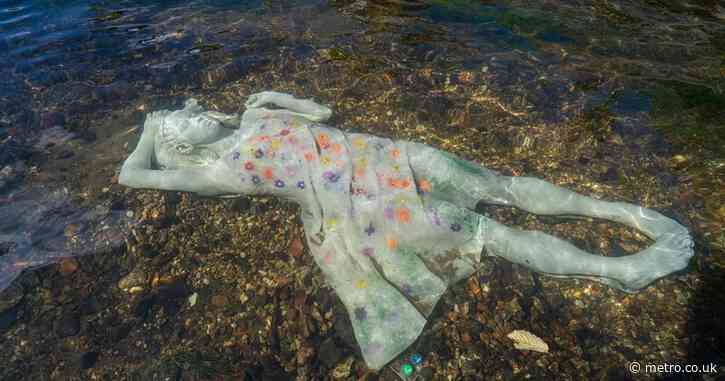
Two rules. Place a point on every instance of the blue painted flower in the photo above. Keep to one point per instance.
(235, 156)
(370, 230)
(301, 184)
(456, 227)
(279, 183)
(256, 180)
(258, 153)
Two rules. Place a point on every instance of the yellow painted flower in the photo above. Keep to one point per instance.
(361, 284)
(275, 144)
(332, 223)
(359, 143)
(325, 160)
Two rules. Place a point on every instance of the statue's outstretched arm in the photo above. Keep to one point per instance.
(308, 108)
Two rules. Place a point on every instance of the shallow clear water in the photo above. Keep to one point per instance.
(623, 100)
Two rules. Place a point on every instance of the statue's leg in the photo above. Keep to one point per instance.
(465, 183)
(553, 256)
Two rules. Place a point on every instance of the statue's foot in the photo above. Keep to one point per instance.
(669, 254)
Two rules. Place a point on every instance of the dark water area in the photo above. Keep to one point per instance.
(621, 100)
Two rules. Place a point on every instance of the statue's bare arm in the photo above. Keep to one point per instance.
(301, 107)
(137, 170)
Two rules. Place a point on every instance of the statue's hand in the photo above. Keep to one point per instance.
(260, 99)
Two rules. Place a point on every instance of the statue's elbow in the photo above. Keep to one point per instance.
(125, 178)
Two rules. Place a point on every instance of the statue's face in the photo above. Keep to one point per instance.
(190, 141)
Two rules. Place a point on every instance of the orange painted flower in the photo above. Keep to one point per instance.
(359, 173)
(405, 183)
(392, 243)
(268, 173)
(424, 185)
(395, 153)
(309, 156)
(403, 215)
(336, 148)
(323, 141)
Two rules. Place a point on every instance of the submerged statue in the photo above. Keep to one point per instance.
(390, 223)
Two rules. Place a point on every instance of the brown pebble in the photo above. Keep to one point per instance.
(68, 266)
(466, 338)
(219, 300)
(296, 248)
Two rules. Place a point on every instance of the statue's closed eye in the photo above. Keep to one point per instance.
(184, 148)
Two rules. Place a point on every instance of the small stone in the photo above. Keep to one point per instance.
(219, 301)
(466, 338)
(329, 353)
(135, 279)
(135, 290)
(296, 248)
(193, 298)
(679, 160)
(52, 119)
(342, 370)
(88, 360)
(68, 266)
(11, 296)
(68, 326)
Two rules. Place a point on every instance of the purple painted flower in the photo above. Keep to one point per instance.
(389, 213)
(456, 227)
(330, 176)
(256, 180)
(258, 153)
(279, 183)
(301, 184)
(433, 216)
(370, 230)
(368, 252)
(235, 156)
(360, 313)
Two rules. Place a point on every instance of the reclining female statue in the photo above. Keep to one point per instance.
(390, 223)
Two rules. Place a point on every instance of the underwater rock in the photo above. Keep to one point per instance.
(68, 326)
(88, 360)
(51, 119)
(231, 71)
(527, 341)
(329, 353)
(11, 173)
(10, 297)
(138, 277)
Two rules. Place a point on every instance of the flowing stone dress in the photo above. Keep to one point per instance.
(386, 247)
